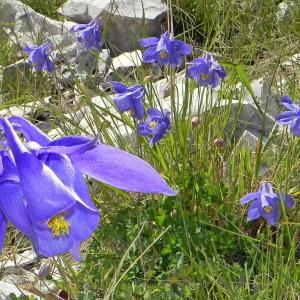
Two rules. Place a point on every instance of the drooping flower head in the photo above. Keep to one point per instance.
(89, 35)
(165, 50)
(39, 57)
(206, 71)
(266, 204)
(129, 98)
(291, 117)
(156, 125)
(43, 191)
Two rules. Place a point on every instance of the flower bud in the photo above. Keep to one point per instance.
(45, 269)
(149, 78)
(195, 121)
(220, 143)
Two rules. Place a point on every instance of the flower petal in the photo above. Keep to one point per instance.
(121, 169)
(272, 218)
(195, 71)
(83, 222)
(70, 144)
(288, 103)
(30, 131)
(123, 102)
(45, 193)
(286, 117)
(253, 211)
(13, 207)
(287, 200)
(3, 225)
(119, 87)
(249, 197)
(48, 245)
(9, 172)
(71, 177)
(78, 27)
(295, 126)
(149, 55)
(29, 48)
(182, 47)
(139, 109)
(154, 113)
(150, 41)
(75, 250)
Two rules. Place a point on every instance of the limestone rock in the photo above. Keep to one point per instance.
(124, 65)
(266, 98)
(26, 26)
(126, 20)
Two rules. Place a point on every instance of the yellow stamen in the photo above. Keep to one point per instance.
(152, 124)
(204, 76)
(268, 209)
(163, 54)
(59, 225)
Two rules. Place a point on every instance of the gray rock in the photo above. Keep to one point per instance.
(126, 20)
(248, 140)
(25, 26)
(284, 12)
(9, 288)
(265, 97)
(79, 63)
(124, 65)
(244, 115)
(292, 62)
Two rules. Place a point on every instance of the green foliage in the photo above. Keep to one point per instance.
(244, 31)
(13, 296)
(48, 9)
(8, 54)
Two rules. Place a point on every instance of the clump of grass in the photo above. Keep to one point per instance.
(48, 9)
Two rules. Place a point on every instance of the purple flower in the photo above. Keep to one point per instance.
(129, 98)
(165, 50)
(156, 125)
(39, 57)
(266, 204)
(291, 117)
(206, 71)
(89, 35)
(43, 191)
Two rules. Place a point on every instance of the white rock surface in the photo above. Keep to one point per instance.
(244, 115)
(123, 65)
(267, 99)
(9, 288)
(25, 26)
(292, 61)
(127, 20)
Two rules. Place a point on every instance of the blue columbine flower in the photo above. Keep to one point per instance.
(165, 50)
(39, 57)
(43, 191)
(206, 71)
(89, 35)
(129, 98)
(291, 117)
(266, 204)
(156, 125)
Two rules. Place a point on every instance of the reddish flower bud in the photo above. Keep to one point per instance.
(195, 121)
(220, 143)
